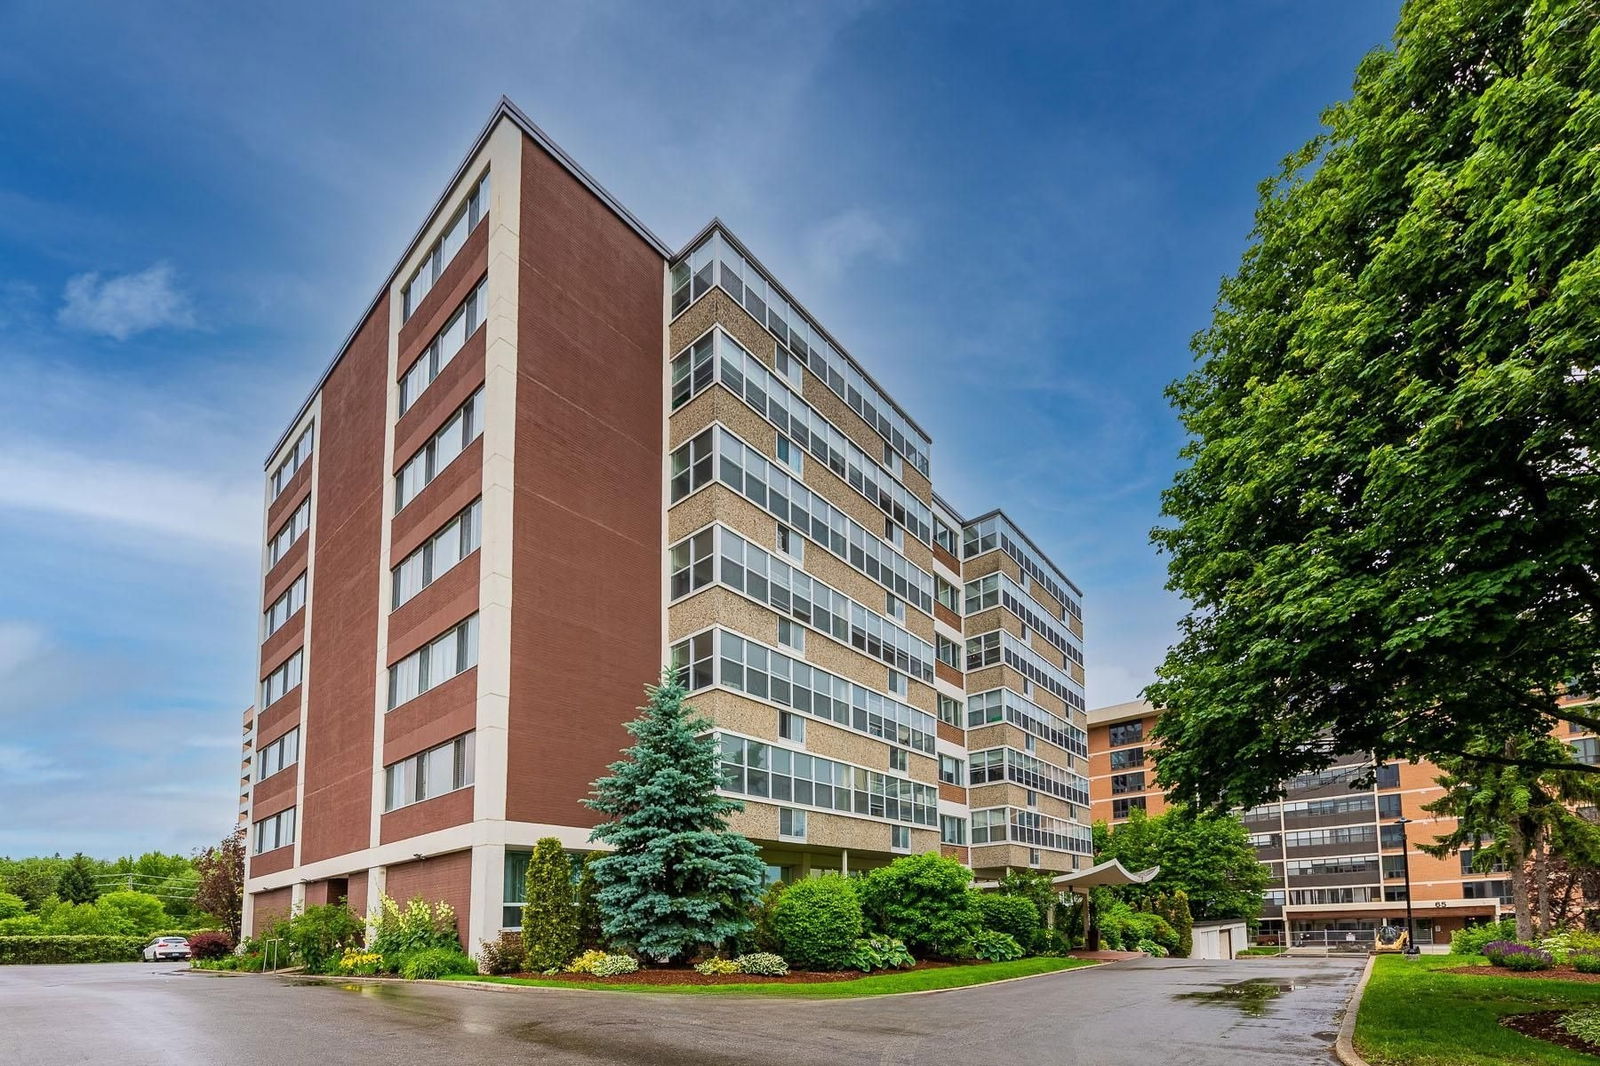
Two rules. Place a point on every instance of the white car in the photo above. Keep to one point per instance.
(166, 947)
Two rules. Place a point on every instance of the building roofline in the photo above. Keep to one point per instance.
(942, 502)
(1121, 712)
(717, 225)
(1073, 585)
(508, 110)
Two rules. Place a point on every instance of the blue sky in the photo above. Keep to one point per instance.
(1014, 215)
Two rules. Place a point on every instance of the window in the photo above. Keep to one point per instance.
(947, 594)
(952, 830)
(444, 347)
(789, 455)
(766, 674)
(718, 453)
(292, 462)
(1468, 857)
(1392, 836)
(898, 759)
(284, 607)
(1585, 750)
(791, 823)
(1004, 705)
(464, 426)
(894, 534)
(1316, 838)
(791, 545)
(1009, 764)
(1030, 743)
(1500, 890)
(950, 770)
(1395, 866)
(1127, 757)
(894, 607)
(899, 838)
(768, 579)
(792, 635)
(1033, 856)
(1389, 775)
(715, 261)
(945, 537)
(288, 533)
(1125, 733)
(950, 710)
(1121, 783)
(449, 243)
(754, 768)
(1396, 894)
(997, 531)
(514, 888)
(997, 646)
(897, 683)
(431, 773)
(274, 831)
(947, 651)
(791, 727)
(1389, 806)
(1344, 864)
(1000, 824)
(459, 538)
(451, 653)
(278, 683)
(285, 751)
(1319, 896)
(718, 357)
(692, 563)
(1121, 807)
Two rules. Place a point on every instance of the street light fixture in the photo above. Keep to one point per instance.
(1405, 865)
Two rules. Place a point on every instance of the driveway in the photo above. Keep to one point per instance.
(1174, 1012)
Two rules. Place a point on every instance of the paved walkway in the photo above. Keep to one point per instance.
(1117, 1015)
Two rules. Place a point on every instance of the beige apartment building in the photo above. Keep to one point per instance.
(556, 453)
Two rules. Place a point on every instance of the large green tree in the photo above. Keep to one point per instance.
(1207, 857)
(219, 889)
(1386, 520)
(677, 877)
(1521, 819)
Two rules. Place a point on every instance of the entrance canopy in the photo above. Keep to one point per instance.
(1108, 874)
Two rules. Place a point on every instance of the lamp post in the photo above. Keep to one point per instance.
(1405, 866)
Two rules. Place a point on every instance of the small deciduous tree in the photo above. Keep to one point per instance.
(220, 889)
(550, 913)
(677, 877)
(1206, 856)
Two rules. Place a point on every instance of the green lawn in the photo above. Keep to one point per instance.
(876, 985)
(1413, 1015)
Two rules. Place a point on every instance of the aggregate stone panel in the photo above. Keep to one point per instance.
(995, 795)
(991, 677)
(716, 307)
(717, 404)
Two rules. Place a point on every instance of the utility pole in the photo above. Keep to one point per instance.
(1405, 865)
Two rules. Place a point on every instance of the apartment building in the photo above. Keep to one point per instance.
(247, 757)
(1337, 853)
(554, 454)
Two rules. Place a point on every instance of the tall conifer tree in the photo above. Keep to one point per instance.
(677, 877)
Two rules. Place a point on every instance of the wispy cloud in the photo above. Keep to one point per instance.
(163, 500)
(24, 766)
(126, 304)
(835, 246)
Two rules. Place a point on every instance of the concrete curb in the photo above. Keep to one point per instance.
(1344, 1047)
(495, 986)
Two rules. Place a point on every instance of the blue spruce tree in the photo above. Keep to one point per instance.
(677, 877)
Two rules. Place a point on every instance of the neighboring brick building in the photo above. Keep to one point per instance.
(554, 454)
(1335, 852)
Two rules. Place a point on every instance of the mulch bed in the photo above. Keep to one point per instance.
(1542, 1026)
(689, 977)
(1559, 973)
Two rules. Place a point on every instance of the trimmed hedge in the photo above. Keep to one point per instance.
(62, 949)
(818, 921)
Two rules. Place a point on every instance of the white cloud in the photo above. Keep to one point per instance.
(125, 304)
(188, 504)
(22, 766)
(20, 644)
(848, 236)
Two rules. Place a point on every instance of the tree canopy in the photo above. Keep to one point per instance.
(1206, 857)
(1386, 524)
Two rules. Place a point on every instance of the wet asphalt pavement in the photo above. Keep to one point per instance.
(1145, 1012)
